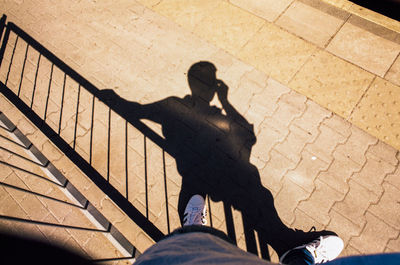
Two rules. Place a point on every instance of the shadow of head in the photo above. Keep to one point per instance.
(202, 80)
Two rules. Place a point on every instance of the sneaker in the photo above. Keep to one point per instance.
(324, 249)
(195, 211)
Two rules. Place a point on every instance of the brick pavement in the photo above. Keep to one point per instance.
(322, 169)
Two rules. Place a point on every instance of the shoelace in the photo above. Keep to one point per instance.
(318, 253)
(195, 216)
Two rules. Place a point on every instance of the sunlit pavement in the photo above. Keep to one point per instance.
(318, 80)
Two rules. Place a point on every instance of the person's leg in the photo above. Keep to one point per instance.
(322, 250)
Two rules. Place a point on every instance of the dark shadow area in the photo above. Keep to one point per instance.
(17, 250)
(211, 146)
(212, 149)
(389, 8)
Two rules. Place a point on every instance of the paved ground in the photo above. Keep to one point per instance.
(319, 84)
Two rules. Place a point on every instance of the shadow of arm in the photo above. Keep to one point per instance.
(129, 110)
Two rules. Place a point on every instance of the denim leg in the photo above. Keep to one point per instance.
(299, 257)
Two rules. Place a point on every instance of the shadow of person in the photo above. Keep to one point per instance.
(212, 148)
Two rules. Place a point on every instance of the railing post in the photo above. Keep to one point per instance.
(2, 24)
(5, 38)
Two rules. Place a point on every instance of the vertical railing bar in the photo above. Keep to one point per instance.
(62, 104)
(34, 83)
(2, 25)
(230, 227)
(5, 38)
(109, 144)
(145, 178)
(166, 192)
(11, 61)
(23, 69)
(76, 114)
(91, 132)
(209, 210)
(48, 91)
(126, 160)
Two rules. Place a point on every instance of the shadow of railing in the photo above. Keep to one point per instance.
(64, 106)
(36, 195)
(14, 91)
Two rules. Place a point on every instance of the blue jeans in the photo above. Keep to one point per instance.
(205, 245)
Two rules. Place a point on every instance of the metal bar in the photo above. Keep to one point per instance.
(166, 193)
(76, 115)
(62, 104)
(126, 162)
(6, 36)
(145, 178)
(12, 59)
(91, 132)
(230, 226)
(34, 84)
(23, 69)
(109, 144)
(48, 92)
(209, 210)
(2, 24)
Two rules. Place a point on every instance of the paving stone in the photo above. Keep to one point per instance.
(306, 222)
(288, 198)
(72, 245)
(342, 83)
(267, 9)
(373, 173)
(34, 208)
(15, 181)
(99, 247)
(358, 46)
(311, 23)
(323, 147)
(385, 152)
(284, 53)
(236, 27)
(290, 106)
(394, 178)
(393, 75)
(294, 143)
(374, 237)
(144, 241)
(356, 202)
(349, 250)
(320, 202)
(394, 245)
(388, 206)
(339, 172)
(311, 118)
(186, 14)
(382, 123)
(272, 174)
(345, 228)
(56, 235)
(271, 133)
(356, 146)
(338, 124)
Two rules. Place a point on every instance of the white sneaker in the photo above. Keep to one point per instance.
(195, 211)
(324, 249)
